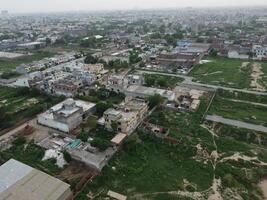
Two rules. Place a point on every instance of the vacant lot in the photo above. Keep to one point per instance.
(225, 72)
(151, 167)
(6, 66)
(246, 112)
(20, 104)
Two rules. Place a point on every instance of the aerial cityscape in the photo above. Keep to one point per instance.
(133, 100)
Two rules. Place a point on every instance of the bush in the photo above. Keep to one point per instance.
(83, 136)
(100, 143)
(19, 141)
(67, 156)
(155, 100)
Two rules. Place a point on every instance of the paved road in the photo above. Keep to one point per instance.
(15, 130)
(188, 80)
(237, 123)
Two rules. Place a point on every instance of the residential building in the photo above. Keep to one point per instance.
(127, 116)
(67, 115)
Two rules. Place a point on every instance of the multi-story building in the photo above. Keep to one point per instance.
(260, 51)
(126, 117)
(67, 115)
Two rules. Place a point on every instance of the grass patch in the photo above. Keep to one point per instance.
(162, 169)
(242, 96)
(224, 72)
(239, 111)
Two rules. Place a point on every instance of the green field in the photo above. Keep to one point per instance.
(20, 104)
(224, 72)
(239, 111)
(6, 66)
(148, 168)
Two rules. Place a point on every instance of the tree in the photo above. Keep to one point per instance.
(213, 52)
(101, 107)
(90, 59)
(134, 57)
(48, 41)
(83, 136)
(150, 80)
(162, 82)
(131, 143)
(67, 156)
(100, 143)
(155, 100)
(19, 141)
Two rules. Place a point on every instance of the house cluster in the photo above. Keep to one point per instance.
(47, 62)
(132, 85)
(245, 49)
(67, 79)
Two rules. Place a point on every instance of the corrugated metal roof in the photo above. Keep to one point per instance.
(11, 172)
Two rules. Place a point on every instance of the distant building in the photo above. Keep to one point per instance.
(67, 115)
(31, 45)
(20, 181)
(239, 52)
(68, 87)
(127, 116)
(260, 51)
(185, 60)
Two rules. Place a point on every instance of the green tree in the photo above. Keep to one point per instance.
(155, 100)
(134, 57)
(83, 136)
(131, 143)
(101, 107)
(90, 59)
(100, 143)
(67, 156)
(162, 82)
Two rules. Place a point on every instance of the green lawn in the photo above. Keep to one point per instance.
(224, 72)
(6, 66)
(239, 111)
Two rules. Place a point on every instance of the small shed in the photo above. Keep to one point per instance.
(119, 138)
(116, 195)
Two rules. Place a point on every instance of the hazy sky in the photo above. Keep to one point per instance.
(74, 5)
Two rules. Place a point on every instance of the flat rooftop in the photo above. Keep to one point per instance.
(148, 91)
(20, 181)
(59, 108)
